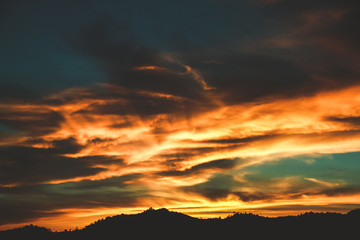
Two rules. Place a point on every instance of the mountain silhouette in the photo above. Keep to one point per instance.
(165, 224)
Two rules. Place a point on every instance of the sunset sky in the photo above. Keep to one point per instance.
(202, 107)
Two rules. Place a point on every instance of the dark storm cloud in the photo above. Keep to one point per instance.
(213, 165)
(246, 77)
(320, 37)
(34, 201)
(239, 78)
(237, 75)
(118, 51)
(313, 47)
(31, 122)
(239, 64)
(353, 121)
(27, 165)
(64, 146)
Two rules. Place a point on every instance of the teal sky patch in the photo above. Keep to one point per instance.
(333, 168)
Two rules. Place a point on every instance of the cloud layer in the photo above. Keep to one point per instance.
(208, 112)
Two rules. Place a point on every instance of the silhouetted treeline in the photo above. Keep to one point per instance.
(164, 224)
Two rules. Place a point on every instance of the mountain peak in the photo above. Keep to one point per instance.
(158, 211)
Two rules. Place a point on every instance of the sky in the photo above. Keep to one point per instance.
(202, 107)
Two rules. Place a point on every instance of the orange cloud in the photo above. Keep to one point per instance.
(260, 131)
(190, 147)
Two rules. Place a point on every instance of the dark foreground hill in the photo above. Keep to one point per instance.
(164, 224)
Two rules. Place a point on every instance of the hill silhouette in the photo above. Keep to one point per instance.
(165, 224)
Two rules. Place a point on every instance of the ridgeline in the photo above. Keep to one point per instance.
(164, 224)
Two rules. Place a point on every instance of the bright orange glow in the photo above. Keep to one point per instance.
(271, 130)
(292, 123)
(148, 68)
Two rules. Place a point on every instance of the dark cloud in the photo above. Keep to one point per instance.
(352, 121)
(217, 187)
(119, 53)
(248, 197)
(103, 160)
(33, 201)
(26, 165)
(250, 70)
(319, 38)
(221, 186)
(183, 154)
(34, 123)
(321, 53)
(243, 77)
(340, 191)
(15, 212)
(334, 134)
(291, 10)
(100, 140)
(292, 207)
(64, 146)
(117, 182)
(140, 106)
(237, 75)
(216, 164)
(241, 142)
